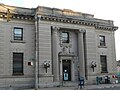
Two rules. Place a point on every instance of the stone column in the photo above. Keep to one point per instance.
(55, 53)
(36, 52)
(81, 53)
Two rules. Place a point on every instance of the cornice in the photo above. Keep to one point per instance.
(106, 27)
(56, 15)
(67, 20)
(17, 16)
(85, 22)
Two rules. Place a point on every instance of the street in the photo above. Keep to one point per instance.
(100, 88)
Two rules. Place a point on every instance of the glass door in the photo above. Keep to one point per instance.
(66, 70)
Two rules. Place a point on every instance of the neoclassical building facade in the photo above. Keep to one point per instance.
(46, 47)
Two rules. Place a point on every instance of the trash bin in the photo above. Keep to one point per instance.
(118, 79)
(81, 82)
(107, 80)
(98, 80)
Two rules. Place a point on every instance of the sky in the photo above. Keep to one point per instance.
(102, 9)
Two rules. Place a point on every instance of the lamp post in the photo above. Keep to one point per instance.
(93, 65)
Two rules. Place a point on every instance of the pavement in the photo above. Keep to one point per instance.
(86, 87)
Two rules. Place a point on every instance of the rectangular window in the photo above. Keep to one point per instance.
(18, 33)
(103, 60)
(102, 40)
(17, 63)
(65, 37)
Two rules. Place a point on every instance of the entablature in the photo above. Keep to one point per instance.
(17, 16)
(18, 13)
(56, 15)
(97, 25)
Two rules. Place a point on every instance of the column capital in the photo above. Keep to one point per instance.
(55, 28)
(82, 30)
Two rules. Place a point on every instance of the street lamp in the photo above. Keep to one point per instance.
(93, 65)
(46, 65)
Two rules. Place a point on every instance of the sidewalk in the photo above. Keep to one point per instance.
(87, 87)
(90, 87)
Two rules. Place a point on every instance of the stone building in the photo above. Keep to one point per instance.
(51, 47)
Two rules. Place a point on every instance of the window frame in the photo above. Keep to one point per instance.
(18, 37)
(103, 62)
(65, 39)
(19, 61)
(102, 41)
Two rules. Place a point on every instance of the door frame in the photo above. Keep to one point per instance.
(71, 58)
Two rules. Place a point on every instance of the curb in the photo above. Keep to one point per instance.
(88, 87)
(100, 87)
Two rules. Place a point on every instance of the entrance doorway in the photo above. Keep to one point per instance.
(66, 70)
